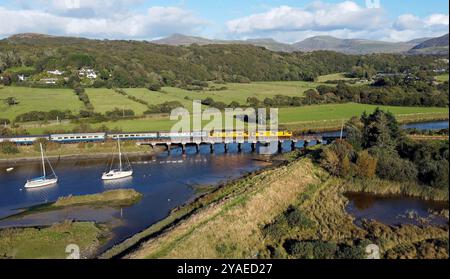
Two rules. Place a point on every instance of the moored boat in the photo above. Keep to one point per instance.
(44, 180)
(121, 172)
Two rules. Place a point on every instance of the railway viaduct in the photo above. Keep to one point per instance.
(183, 143)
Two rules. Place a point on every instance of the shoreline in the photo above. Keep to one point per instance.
(96, 156)
(11, 162)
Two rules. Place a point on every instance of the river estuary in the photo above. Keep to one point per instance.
(166, 183)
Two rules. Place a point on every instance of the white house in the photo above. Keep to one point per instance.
(55, 72)
(89, 73)
(22, 77)
(49, 80)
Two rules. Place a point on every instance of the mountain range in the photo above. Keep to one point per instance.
(348, 46)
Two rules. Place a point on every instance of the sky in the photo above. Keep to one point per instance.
(287, 21)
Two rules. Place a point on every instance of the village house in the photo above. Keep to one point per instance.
(55, 72)
(49, 80)
(22, 78)
(88, 73)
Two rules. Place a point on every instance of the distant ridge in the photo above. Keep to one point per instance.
(348, 46)
(432, 46)
(183, 40)
(354, 46)
(435, 46)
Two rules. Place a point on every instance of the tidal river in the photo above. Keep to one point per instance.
(165, 181)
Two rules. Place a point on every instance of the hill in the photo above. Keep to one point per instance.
(354, 46)
(121, 63)
(348, 46)
(437, 46)
(183, 40)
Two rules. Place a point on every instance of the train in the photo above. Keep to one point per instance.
(101, 137)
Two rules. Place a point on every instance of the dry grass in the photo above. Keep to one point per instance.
(231, 228)
(229, 224)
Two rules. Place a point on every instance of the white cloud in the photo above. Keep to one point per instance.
(344, 20)
(408, 27)
(155, 22)
(317, 16)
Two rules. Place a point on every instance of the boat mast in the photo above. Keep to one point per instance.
(120, 155)
(43, 163)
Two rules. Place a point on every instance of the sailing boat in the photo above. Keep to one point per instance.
(43, 180)
(114, 174)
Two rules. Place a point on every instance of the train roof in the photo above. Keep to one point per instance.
(78, 134)
(23, 137)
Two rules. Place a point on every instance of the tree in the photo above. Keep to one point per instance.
(11, 101)
(336, 158)
(366, 165)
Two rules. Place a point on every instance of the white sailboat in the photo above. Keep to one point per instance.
(119, 173)
(44, 180)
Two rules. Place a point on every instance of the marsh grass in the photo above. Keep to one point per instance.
(50, 242)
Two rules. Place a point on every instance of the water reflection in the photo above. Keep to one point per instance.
(166, 182)
(395, 210)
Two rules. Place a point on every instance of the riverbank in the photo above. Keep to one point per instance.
(72, 152)
(267, 215)
(113, 199)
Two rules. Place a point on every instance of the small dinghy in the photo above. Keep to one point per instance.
(9, 169)
(121, 172)
(44, 180)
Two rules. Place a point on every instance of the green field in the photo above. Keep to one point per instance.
(331, 77)
(442, 78)
(37, 99)
(105, 100)
(345, 111)
(318, 117)
(50, 242)
(238, 92)
(330, 117)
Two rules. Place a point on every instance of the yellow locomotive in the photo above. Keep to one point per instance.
(245, 134)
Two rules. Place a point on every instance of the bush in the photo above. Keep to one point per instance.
(7, 147)
(166, 107)
(119, 113)
(46, 145)
(275, 230)
(295, 218)
(4, 121)
(311, 249)
(391, 167)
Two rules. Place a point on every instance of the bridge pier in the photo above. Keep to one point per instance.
(280, 146)
(212, 147)
(240, 147)
(168, 147)
(306, 144)
(225, 146)
(293, 145)
(197, 147)
(253, 146)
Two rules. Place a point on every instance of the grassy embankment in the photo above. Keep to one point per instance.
(231, 222)
(91, 150)
(51, 242)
